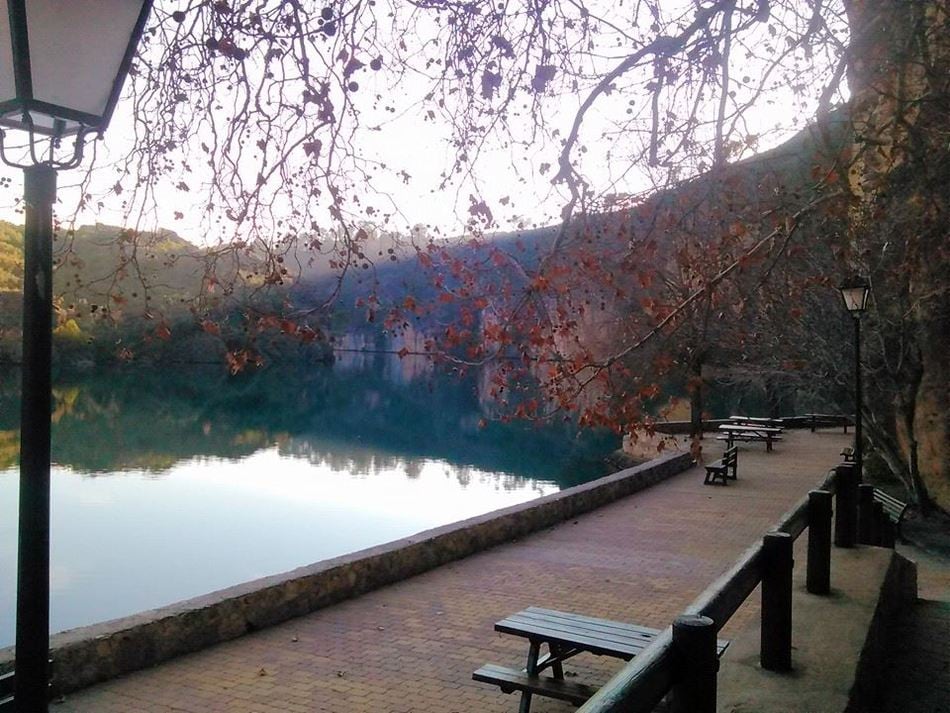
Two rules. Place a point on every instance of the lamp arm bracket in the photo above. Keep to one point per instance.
(36, 152)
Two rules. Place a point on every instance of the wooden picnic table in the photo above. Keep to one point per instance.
(566, 635)
(740, 432)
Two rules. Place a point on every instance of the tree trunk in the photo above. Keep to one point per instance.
(900, 81)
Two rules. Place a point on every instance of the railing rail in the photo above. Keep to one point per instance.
(664, 666)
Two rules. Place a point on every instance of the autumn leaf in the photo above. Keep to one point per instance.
(504, 45)
(543, 74)
(312, 148)
(491, 81)
(479, 209)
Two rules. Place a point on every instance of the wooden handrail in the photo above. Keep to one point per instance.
(640, 685)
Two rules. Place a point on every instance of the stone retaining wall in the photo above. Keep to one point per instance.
(96, 653)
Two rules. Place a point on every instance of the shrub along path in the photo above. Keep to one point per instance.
(412, 647)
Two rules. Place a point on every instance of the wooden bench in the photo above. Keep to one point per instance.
(6, 692)
(720, 468)
(566, 635)
(893, 508)
(828, 420)
(7, 688)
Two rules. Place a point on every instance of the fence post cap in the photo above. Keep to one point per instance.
(692, 620)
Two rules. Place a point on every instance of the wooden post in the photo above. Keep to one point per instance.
(694, 647)
(880, 523)
(865, 514)
(818, 575)
(888, 535)
(777, 563)
(846, 497)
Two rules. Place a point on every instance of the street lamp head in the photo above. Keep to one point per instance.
(62, 64)
(855, 291)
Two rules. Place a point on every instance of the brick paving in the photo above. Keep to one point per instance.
(919, 679)
(411, 647)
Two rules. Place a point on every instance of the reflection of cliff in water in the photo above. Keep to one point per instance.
(365, 463)
(353, 417)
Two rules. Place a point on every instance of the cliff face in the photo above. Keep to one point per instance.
(899, 229)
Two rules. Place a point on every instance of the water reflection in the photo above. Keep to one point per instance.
(172, 484)
(150, 419)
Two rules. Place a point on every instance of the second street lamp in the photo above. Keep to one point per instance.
(62, 66)
(855, 292)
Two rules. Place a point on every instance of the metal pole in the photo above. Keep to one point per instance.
(32, 611)
(858, 441)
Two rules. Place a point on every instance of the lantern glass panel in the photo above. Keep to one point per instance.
(76, 49)
(854, 298)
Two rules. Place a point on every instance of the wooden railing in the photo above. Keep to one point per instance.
(683, 658)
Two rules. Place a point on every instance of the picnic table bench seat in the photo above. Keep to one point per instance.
(511, 680)
(566, 634)
(720, 469)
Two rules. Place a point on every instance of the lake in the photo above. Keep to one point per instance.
(170, 483)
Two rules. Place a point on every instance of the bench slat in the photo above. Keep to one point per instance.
(510, 680)
(894, 508)
(591, 629)
(6, 685)
(600, 644)
(632, 629)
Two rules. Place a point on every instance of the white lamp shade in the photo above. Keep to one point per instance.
(855, 294)
(65, 61)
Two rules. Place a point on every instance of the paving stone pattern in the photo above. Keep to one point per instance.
(412, 647)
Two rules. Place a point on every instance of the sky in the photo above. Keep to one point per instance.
(511, 180)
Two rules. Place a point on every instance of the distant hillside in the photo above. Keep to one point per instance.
(756, 184)
(140, 295)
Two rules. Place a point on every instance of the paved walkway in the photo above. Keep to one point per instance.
(412, 647)
(919, 680)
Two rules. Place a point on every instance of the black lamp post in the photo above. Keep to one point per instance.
(62, 65)
(855, 292)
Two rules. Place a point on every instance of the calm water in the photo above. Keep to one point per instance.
(170, 485)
